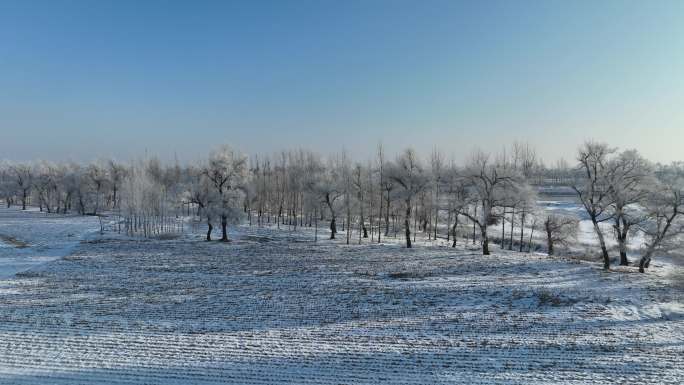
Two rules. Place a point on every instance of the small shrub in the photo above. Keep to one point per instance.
(407, 275)
(549, 298)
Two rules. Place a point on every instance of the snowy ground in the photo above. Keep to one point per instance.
(272, 307)
(30, 238)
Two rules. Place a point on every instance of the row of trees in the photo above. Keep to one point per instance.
(61, 188)
(633, 195)
(487, 196)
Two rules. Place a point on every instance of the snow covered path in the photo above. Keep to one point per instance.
(262, 310)
(30, 238)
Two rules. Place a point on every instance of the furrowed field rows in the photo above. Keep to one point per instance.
(262, 310)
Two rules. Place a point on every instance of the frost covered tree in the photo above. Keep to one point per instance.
(524, 159)
(437, 176)
(456, 190)
(348, 194)
(361, 188)
(526, 201)
(387, 188)
(116, 174)
(630, 179)
(262, 187)
(227, 172)
(381, 176)
(134, 198)
(489, 185)
(146, 203)
(411, 178)
(592, 185)
(7, 186)
(96, 182)
(88, 184)
(23, 179)
(520, 199)
(560, 230)
(665, 211)
(313, 174)
(46, 182)
(202, 193)
(329, 187)
(63, 193)
(297, 173)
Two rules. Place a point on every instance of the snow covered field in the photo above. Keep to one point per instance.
(30, 238)
(272, 307)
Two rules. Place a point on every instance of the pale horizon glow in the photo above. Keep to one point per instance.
(84, 80)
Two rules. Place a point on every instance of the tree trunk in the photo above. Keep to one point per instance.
(362, 219)
(454, 229)
(522, 230)
(333, 223)
(436, 213)
(510, 243)
(407, 224)
(415, 224)
(333, 228)
(529, 243)
(379, 217)
(602, 242)
(645, 260)
(448, 226)
(485, 240)
(622, 242)
(474, 225)
(348, 221)
(224, 230)
(387, 215)
(394, 225)
(503, 229)
(623, 258)
(316, 225)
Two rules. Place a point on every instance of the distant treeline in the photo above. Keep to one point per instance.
(374, 198)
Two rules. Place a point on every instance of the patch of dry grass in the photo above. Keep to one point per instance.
(13, 241)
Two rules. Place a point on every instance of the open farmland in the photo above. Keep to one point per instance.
(30, 238)
(341, 192)
(272, 307)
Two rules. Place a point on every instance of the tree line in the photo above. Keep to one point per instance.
(489, 196)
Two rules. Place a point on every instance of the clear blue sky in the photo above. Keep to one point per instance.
(84, 79)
